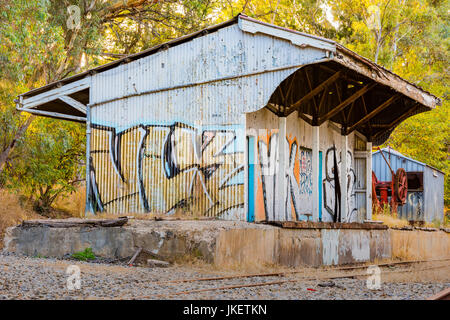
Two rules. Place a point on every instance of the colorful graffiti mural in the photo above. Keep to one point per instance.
(298, 173)
(329, 190)
(168, 168)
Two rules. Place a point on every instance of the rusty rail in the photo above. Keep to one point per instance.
(443, 295)
(269, 283)
(283, 274)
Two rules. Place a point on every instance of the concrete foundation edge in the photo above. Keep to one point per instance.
(244, 245)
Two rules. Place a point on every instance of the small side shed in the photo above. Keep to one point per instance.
(425, 200)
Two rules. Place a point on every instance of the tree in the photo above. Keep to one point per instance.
(50, 162)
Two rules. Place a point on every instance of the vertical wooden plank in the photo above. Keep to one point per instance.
(369, 182)
(315, 172)
(281, 173)
(320, 186)
(343, 178)
(88, 209)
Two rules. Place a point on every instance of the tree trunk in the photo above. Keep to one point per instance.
(20, 132)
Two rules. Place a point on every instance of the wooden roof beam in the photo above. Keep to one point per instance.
(314, 92)
(73, 103)
(346, 102)
(374, 112)
(398, 120)
(305, 118)
(272, 109)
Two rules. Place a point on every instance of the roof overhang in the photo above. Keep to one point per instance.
(391, 98)
(67, 102)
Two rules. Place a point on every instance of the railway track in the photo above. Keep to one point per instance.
(443, 295)
(216, 283)
(283, 274)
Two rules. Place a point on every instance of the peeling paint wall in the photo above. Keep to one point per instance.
(298, 171)
(330, 243)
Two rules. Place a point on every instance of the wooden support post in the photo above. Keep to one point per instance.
(343, 178)
(281, 173)
(315, 172)
(369, 181)
(88, 208)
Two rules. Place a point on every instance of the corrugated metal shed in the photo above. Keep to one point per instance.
(166, 128)
(425, 202)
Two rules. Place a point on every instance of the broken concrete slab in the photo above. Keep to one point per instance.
(227, 243)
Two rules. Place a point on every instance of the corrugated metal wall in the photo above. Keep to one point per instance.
(434, 194)
(162, 169)
(381, 169)
(413, 210)
(168, 130)
(425, 205)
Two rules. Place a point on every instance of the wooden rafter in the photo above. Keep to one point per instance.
(374, 112)
(313, 92)
(346, 102)
(399, 119)
(305, 118)
(313, 98)
(366, 112)
(323, 98)
(283, 97)
(343, 75)
(272, 109)
(338, 93)
(73, 103)
(288, 92)
(53, 114)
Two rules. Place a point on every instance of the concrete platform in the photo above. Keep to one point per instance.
(226, 243)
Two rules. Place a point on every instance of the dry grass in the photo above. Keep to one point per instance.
(390, 221)
(74, 204)
(12, 212)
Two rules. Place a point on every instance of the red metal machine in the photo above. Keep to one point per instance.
(397, 189)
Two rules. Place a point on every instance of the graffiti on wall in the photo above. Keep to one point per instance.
(329, 194)
(167, 168)
(298, 174)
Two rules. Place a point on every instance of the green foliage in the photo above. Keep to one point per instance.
(48, 162)
(447, 219)
(85, 255)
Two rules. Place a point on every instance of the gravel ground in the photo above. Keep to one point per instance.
(37, 278)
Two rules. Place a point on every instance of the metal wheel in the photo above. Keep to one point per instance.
(401, 185)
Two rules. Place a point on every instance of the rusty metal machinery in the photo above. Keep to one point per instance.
(397, 189)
